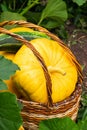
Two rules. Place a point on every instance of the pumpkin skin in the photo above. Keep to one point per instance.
(21, 128)
(21, 29)
(30, 80)
(7, 55)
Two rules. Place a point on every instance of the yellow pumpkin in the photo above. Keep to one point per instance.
(21, 128)
(21, 29)
(30, 80)
(7, 55)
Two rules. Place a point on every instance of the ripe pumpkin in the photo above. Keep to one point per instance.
(30, 80)
(7, 55)
(21, 128)
(21, 29)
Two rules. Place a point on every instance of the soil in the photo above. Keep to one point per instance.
(77, 42)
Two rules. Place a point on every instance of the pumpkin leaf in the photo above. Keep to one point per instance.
(10, 118)
(80, 2)
(8, 16)
(7, 68)
(3, 86)
(58, 124)
(50, 24)
(55, 10)
(82, 124)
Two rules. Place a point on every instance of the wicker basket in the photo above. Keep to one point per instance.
(34, 112)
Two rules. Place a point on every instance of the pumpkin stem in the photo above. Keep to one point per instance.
(53, 69)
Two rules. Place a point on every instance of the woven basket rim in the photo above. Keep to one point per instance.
(77, 92)
(34, 112)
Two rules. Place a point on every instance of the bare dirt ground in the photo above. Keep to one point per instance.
(78, 44)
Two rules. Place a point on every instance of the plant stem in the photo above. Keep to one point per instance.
(30, 4)
(40, 21)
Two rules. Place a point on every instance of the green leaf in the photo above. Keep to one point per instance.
(8, 16)
(35, 18)
(4, 7)
(50, 24)
(10, 118)
(80, 2)
(7, 68)
(3, 86)
(58, 124)
(55, 10)
(82, 125)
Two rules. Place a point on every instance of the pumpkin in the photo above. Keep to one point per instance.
(21, 29)
(21, 128)
(30, 80)
(7, 55)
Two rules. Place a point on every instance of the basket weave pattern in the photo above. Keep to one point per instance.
(34, 112)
